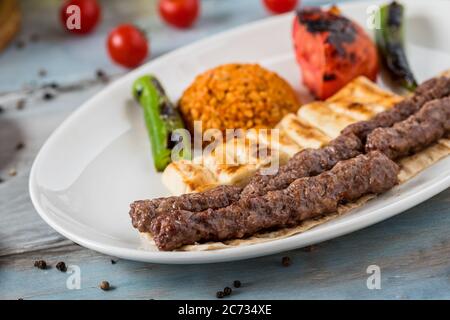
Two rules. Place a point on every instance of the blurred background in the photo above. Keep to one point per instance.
(46, 70)
(42, 45)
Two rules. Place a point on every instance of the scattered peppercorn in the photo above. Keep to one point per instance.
(2, 109)
(20, 44)
(237, 284)
(20, 146)
(20, 104)
(309, 248)
(12, 172)
(42, 73)
(1, 180)
(34, 37)
(20, 299)
(51, 85)
(220, 294)
(48, 96)
(113, 261)
(54, 85)
(286, 261)
(101, 75)
(104, 285)
(40, 264)
(61, 266)
(227, 291)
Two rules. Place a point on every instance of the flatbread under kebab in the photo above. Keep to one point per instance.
(426, 158)
(410, 167)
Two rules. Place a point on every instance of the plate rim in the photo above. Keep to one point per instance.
(227, 254)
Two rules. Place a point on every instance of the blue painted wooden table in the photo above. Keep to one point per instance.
(412, 250)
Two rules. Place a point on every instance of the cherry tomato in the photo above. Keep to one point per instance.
(280, 6)
(179, 13)
(89, 14)
(127, 45)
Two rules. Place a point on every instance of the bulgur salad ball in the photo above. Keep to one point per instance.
(237, 96)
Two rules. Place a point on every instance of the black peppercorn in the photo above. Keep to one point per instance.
(20, 44)
(237, 284)
(101, 75)
(48, 96)
(52, 85)
(227, 291)
(2, 109)
(20, 146)
(104, 285)
(286, 261)
(61, 266)
(309, 248)
(220, 294)
(40, 264)
(113, 261)
(34, 37)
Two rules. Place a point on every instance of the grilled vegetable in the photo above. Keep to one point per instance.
(389, 38)
(332, 50)
(162, 120)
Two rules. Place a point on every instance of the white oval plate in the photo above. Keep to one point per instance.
(98, 161)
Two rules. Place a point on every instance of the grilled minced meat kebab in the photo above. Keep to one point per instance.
(432, 89)
(144, 211)
(308, 162)
(304, 198)
(417, 132)
(309, 197)
(348, 144)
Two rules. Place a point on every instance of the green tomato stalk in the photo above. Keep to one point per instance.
(163, 121)
(389, 37)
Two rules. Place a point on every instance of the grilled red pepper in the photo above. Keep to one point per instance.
(331, 50)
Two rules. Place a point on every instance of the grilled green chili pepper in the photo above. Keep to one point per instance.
(389, 38)
(162, 120)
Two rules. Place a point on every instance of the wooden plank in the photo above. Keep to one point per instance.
(412, 250)
(68, 58)
(21, 229)
(60, 54)
(66, 61)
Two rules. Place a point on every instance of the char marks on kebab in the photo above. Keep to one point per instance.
(331, 50)
(308, 197)
(304, 198)
(308, 162)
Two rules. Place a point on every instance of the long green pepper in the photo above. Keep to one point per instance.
(389, 37)
(162, 119)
